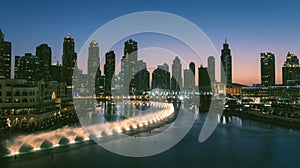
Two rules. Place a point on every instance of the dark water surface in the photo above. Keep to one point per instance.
(237, 143)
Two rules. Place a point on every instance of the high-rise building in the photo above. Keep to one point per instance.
(129, 66)
(267, 69)
(109, 70)
(176, 81)
(43, 54)
(192, 69)
(211, 68)
(160, 79)
(290, 69)
(142, 77)
(28, 67)
(93, 59)
(164, 67)
(189, 79)
(226, 65)
(203, 78)
(99, 83)
(5, 57)
(69, 58)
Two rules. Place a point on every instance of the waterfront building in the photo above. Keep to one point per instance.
(143, 77)
(272, 94)
(160, 79)
(291, 70)
(69, 59)
(176, 80)
(203, 78)
(226, 65)
(267, 69)
(109, 70)
(129, 67)
(211, 68)
(27, 104)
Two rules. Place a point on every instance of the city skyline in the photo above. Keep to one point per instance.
(241, 26)
(102, 66)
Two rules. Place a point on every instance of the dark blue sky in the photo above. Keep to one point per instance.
(251, 27)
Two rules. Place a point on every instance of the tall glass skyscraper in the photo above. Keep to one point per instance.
(267, 69)
(69, 58)
(226, 65)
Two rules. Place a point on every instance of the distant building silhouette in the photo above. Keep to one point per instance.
(129, 66)
(204, 80)
(226, 65)
(109, 70)
(176, 81)
(95, 79)
(267, 69)
(5, 57)
(211, 68)
(164, 67)
(69, 58)
(93, 59)
(142, 77)
(160, 78)
(291, 70)
(192, 69)
(43, 54)
(189, 79)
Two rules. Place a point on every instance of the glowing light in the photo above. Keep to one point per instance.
(72, 142)
(119, 130)
(55, 145)
(15, 153)
(36, 149)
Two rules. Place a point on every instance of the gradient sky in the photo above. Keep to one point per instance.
(251, 27)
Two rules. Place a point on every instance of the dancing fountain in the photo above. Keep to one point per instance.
(35, 141)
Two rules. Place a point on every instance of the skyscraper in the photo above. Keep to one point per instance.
(109, 70)
(69, 58)
(160, 79)
(267, 69)
(189, 79)
(93, 59)
(192, 69)
(211, 68)
(5, 57)
(43, 54)
(290, 69)
(143, 77)
(129, 65)
(164, 67)
(204, 81)
(226, 65)
(176, 81)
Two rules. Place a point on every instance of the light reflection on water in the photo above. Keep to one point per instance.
(235, 143)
